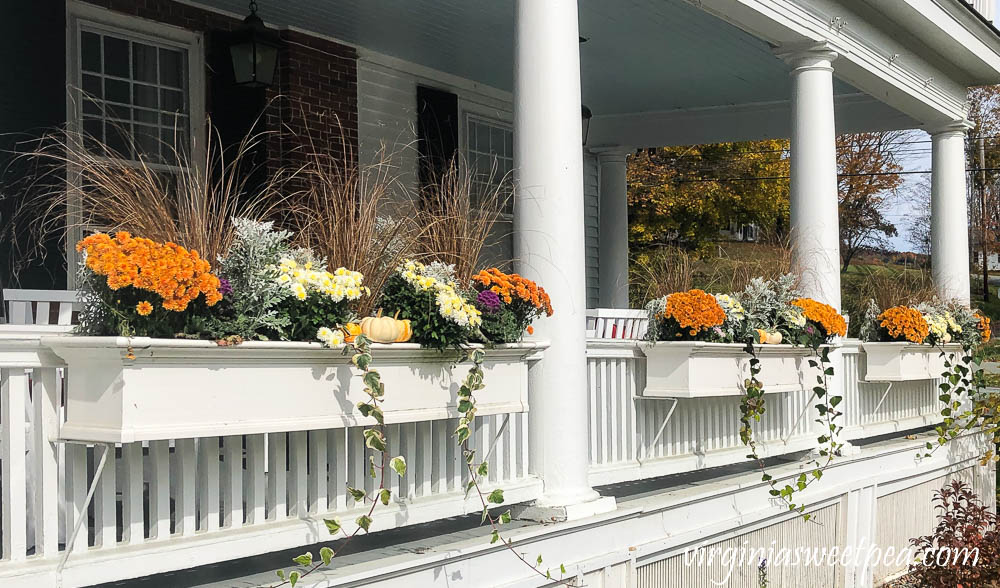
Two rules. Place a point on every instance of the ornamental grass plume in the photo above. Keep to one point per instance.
(162, 191)
(350, 213)
(458, 211)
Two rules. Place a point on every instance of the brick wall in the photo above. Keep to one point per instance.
(315, 92)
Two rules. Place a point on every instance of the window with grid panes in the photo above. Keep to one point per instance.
(490, 147)
(135, 95)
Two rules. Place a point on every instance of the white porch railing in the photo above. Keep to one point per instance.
(628, 439)
(908, 405)
(987, 8)
(241, 495)
(634, 438)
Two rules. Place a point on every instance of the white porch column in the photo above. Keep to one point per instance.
(549, 247)
(613, 231)
(815, 225)
(949, 213)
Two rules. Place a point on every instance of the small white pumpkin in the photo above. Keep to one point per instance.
(774, 338)
(382, 329)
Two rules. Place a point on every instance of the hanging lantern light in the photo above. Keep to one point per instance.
(586, 115)
(254, 51)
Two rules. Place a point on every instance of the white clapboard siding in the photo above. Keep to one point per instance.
(591, 210)
(701, 433)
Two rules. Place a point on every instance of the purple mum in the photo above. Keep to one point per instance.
(225, 287)
(488, 301)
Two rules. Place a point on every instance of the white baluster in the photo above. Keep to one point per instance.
(133, 532)
(185, 473)
(277, 508)
(256, 484)
(46, 423)
(159, 490)
(232, 481)
(318, 483)
(13, 387)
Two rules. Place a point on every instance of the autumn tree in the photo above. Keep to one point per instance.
(686, 195)
(868, 182)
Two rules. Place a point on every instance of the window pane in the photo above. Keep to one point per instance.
(171, 68)
(92, 86)
(147, 142)
(172, 101)
(143, 95)
(117, 137)
(146, 116)
(93, 128)
(90, 51)
(483, 139)
(496, 140)
(91, 107)
(116, 57)
(116, 91)
(143, 63)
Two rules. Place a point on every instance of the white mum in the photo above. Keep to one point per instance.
(450, 304)
(342, 284)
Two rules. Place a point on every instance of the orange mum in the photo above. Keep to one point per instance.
(904, 324)
(509, 286)
(144, 308)
(179, 276)
(824, 315)
(983, 326)
(694, 310)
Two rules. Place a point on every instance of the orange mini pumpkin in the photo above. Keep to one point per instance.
(351, 332)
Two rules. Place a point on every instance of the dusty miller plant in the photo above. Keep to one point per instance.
(763, 300)
(252, 307)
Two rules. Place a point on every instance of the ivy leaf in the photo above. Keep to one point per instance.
(364, 521)
(374, 439)
(398, 464)
(357, 495)
(293, 578)
(505, 517)
(385, 495)
(495, 537)
(495, 497)
(305, 559)
(326, 554)
(483, 469)
(281, 574)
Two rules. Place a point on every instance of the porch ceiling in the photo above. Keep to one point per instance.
(641, 55)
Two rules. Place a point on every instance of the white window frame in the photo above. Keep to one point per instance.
(80, 15)
(470, 112)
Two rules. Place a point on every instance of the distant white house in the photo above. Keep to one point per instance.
(993, 261)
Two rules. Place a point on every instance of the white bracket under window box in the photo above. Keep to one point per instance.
(175, 389)
(695, 369)
(903, 362)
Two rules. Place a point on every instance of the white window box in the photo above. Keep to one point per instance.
(902, 362)
(183, 388)
(695, 369)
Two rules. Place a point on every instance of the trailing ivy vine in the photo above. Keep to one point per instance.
(377, 440)
(753, 406)
(961, 383)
